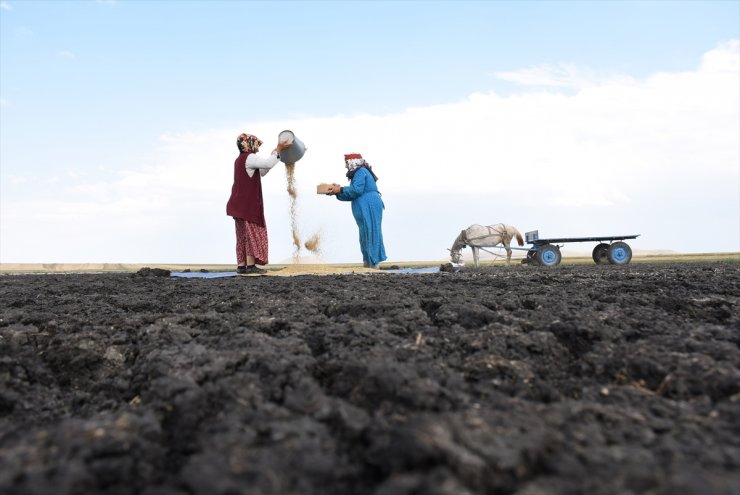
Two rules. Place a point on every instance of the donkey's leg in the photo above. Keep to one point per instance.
(508, 255)
(475, 256)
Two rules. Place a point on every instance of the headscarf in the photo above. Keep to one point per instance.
(248, 143)
(354, 162)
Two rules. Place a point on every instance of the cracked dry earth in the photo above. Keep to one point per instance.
(508, 379)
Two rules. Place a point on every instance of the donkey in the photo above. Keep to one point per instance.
(483, 236)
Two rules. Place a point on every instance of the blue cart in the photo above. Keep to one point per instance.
(611, 249)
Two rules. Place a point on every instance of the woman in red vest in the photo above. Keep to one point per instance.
(246, 206)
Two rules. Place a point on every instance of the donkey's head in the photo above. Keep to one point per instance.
(455, 255)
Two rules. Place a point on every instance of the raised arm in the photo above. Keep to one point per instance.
(263, 164)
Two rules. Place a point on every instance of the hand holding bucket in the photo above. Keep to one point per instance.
(295, 151)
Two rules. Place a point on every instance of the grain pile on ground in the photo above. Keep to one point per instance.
(318, 269)
(574, 380)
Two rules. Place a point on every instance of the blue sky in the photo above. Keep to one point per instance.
(118, 121)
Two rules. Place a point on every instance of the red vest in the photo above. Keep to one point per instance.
(246, 194)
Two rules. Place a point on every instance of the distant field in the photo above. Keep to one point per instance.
(8, 268)
(580, 260)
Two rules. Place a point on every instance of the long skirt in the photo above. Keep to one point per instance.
(368, 213)
(251, 240)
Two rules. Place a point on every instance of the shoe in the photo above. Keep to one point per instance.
(254, 270)
(241, 270)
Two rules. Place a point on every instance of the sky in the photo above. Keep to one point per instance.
(118, 122)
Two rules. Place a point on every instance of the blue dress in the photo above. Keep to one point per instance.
(367, 208)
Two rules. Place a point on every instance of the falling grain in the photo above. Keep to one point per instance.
(290, 175)
(314, 244)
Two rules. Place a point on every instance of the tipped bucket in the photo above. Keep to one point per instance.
(293, 153)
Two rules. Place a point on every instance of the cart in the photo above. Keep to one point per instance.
(609, 250)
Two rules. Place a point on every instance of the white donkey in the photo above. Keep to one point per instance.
(483, 236)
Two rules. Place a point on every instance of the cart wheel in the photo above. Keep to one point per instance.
(549, 255)
(619, 253)
(600, 254)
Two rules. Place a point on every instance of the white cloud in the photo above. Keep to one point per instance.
(6, 6)
(65, 54)
(17, 179)
(4, 102)
(646, 154)
(560, 76)
(724, 59)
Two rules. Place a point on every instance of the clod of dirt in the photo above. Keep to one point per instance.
(448, 267)
(153, 272)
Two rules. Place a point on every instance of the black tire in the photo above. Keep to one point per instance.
(619, 253)
(549, 255)
(601, 254)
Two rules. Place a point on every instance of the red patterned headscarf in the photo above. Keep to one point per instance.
(248, 143)
(353, 161)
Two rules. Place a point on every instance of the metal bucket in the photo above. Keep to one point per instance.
(293, 153)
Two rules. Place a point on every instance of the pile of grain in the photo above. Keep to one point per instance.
(293, 270)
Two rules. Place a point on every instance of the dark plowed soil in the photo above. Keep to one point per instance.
(573, 380)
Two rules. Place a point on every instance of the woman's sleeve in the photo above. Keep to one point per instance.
(355, 188)
(254, 161)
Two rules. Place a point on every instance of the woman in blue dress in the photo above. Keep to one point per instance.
(367, 207)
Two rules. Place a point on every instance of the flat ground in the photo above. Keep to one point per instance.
(580, 379)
